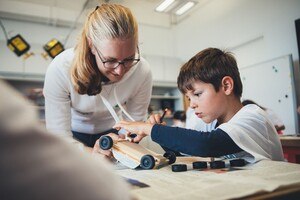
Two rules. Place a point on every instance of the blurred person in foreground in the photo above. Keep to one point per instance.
(38, 165)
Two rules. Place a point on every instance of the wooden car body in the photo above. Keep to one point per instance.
(133, 155)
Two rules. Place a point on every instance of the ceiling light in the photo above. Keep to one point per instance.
(164, 5)
(53, 48)
(17, 44)
(185, 8)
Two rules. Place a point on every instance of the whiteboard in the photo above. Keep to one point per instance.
(271, 85)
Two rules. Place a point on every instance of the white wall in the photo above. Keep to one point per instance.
(36, 35)
(226, 24)
(269, 24)
(216, 23)
(254, 30)
(154, 40)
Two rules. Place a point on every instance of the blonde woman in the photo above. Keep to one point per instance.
(89, 87)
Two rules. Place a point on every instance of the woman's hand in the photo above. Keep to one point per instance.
(107, 154)
(141, 129)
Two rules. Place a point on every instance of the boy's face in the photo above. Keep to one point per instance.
(206, 102)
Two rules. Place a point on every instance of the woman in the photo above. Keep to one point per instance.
(85, 87)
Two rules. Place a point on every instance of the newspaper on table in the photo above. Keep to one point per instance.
(264, 176)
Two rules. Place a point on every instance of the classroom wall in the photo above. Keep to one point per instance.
(154, 40)
(254, 30)
(230, 23)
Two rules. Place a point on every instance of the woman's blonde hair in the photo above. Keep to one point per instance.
(108, 21)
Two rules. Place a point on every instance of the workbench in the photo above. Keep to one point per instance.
(291, 148)
(265, 179)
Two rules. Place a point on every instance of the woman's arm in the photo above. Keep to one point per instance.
(57, 101)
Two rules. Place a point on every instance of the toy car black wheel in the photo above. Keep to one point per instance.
(179, 168)
(105, 142)
(199, 165)
(219, 164)
(147, 162)
(170, 155)
(237, 163)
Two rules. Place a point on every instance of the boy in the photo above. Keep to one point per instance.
(212, 83)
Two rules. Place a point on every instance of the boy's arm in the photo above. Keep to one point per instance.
(141, 129)
(206, 144)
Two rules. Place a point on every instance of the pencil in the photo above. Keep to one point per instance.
(163, 115)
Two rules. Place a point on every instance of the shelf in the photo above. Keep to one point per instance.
(164, 97)
(164, 84)
(22, 77)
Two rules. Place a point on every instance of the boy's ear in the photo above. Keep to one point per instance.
(227, 85)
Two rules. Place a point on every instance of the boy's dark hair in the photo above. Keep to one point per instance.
(180, 115)
(210, 66)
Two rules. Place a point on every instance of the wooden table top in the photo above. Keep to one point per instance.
(292, 141)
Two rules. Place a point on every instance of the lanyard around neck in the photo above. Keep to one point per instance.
(112, 111)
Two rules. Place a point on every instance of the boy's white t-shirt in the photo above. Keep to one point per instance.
(253, 131)
(274, 118)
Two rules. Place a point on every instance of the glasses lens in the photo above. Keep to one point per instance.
(130, 63)
(111, 65)
(126, 63)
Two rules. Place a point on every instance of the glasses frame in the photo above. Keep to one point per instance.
(122, 62)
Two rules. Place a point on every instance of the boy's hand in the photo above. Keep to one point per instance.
(141, 129)
(155, 119)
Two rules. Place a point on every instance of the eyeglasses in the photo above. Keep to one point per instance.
(113, 64)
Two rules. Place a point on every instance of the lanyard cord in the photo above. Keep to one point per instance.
(112, 111)
(122, 108)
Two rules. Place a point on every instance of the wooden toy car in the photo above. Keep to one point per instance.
(135, 153)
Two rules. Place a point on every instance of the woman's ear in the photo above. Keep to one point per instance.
(227, 85)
